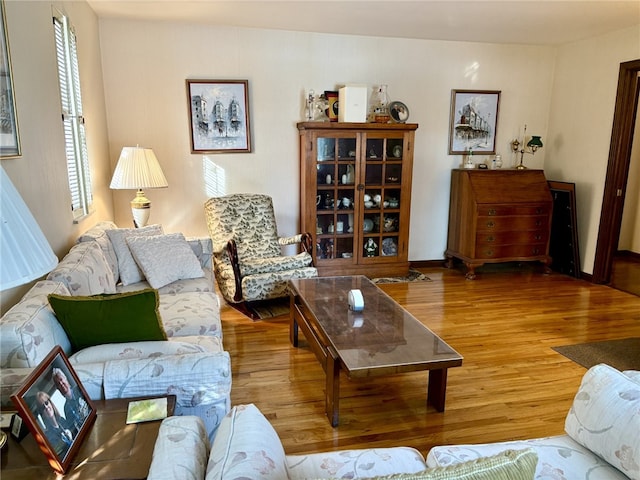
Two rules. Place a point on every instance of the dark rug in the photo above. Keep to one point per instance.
(622, 354)
(414, 276)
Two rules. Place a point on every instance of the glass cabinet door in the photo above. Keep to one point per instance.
(336, 159)
(382, 195)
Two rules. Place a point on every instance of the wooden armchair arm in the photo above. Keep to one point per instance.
(307, 243)
(232, 252)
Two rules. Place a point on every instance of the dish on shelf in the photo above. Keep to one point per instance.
(389, 247)
(399, 112)
(368, 225)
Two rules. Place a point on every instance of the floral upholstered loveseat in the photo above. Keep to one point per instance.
(190, 364)
(602, 442)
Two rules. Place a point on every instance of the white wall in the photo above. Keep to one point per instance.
(40, 175)
(145, 66)
(582, 108)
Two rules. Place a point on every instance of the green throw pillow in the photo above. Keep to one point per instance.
(109, 318)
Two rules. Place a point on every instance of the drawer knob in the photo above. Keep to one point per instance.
(489, 253)
(490, 224)
(492, 211)
(490, 238)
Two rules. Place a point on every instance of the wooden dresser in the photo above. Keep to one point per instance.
(498, 216)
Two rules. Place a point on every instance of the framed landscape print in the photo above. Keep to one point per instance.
(56, 409)
(473, 121)
(9, 136)
(219, 116)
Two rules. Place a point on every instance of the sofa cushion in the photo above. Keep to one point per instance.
(356, 463)
(246, 446)
(559, 457)
(85, 271)
(147, 349)
(99, 319)
(191, 313)
(29, 330)
(129, 271)
(164, 259)
(605, 418)
(98, 234)
(507, 465)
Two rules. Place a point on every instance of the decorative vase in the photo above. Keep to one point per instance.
(380, 105)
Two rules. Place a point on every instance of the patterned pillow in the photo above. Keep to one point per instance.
(246, 446)
(165, 259)
(129, 271)
(605, 418)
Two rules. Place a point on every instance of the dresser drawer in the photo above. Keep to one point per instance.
(508, 223)
(515, 237)
(502, 210)
(488, 252)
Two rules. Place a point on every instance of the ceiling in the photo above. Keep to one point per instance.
(541, 22)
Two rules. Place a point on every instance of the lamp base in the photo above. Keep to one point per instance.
(141, 209)
(520, 167)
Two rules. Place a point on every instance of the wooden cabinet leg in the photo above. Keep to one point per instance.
(471, 271)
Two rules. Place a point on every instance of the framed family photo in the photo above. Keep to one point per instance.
(473, 121)
(56, 409)
(219, 116)
(9, 136)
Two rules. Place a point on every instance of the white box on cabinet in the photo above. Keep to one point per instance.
(353, 104)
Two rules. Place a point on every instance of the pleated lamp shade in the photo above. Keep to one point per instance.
(138, 168)
(25, 253)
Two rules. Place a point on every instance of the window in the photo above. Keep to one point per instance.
(73, 121)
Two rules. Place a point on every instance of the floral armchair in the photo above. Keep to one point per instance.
(248, 262)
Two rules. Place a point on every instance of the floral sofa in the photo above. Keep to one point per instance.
(602, 442)
(190, 364)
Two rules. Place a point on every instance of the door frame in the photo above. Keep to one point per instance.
(617, 170)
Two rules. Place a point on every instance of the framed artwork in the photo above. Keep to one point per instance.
(9, 135)
(56, 408)
(219, 116)
(473, 121)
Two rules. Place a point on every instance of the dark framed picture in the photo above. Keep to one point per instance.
(333, 105)
(9, 135)
(219, 116)
(473, 121)
(56, 409)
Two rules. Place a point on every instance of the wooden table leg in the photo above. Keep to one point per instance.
(332, 388)
(293, 325)
(437, 388)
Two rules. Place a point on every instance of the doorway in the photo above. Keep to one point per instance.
(617, 171)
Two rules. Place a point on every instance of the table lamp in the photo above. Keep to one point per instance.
(534, 144)
(26, 255)
(138, 168)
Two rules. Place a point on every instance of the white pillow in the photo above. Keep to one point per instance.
(165, 259)
(605, 418)
(129, 271)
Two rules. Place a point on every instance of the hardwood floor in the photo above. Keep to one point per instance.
(511, 385)
(625, 273)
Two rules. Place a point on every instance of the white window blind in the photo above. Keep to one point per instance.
(72, 119)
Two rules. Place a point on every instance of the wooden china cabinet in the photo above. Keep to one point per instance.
(355, 196)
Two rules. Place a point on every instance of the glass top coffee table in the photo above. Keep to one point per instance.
(383, 339)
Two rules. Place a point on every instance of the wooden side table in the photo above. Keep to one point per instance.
(112, 450)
